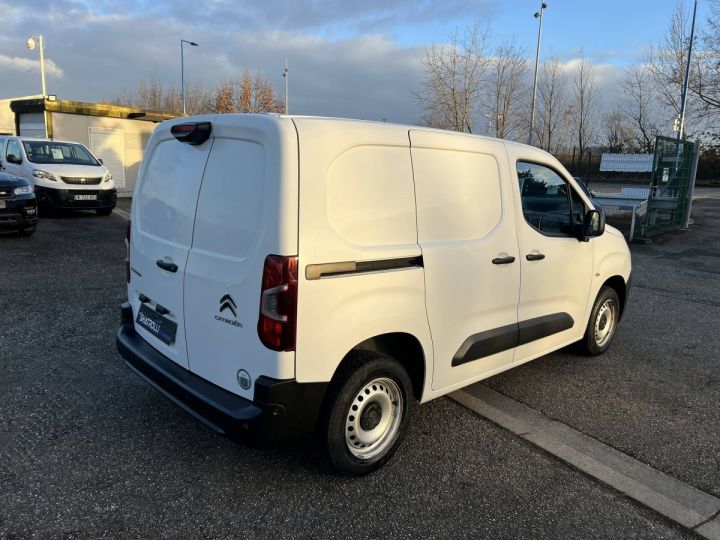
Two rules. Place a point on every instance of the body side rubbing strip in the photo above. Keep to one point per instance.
(317, 271)
(507, 337)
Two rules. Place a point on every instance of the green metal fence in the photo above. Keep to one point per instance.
(671, 187)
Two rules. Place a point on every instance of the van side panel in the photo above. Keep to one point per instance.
(357, 205)
(465, 224)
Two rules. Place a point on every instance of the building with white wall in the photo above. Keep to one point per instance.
(117, 135)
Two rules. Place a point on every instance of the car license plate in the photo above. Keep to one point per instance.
(164, 329)
(2, 204)
(86, 197)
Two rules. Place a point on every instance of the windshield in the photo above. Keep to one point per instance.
(58, 153)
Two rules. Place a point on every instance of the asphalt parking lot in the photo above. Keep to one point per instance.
(89, 450)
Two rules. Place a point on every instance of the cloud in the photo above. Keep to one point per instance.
(14, 63)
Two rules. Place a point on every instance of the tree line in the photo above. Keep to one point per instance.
(474, 85)
(248, 94)
(470, 78)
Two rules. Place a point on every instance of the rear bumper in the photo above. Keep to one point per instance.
(65, 198)
(280, 410)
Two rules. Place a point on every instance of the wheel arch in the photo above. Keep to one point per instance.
(618, 284)
(403, 347)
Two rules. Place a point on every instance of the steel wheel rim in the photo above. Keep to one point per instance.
(373, 418)
(605, 322)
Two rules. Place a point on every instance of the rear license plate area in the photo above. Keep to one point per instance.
(161, 327)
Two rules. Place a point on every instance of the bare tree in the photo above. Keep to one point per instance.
(152, 95)
(639, 105)
(585, 105)
(709, 83)
(617, 133)
(507, 89)
(552, 106)
(454, 75)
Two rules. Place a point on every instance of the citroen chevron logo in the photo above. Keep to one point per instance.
(227, 302)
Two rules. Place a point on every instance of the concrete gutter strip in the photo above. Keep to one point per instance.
(668, 496)
(122, 213)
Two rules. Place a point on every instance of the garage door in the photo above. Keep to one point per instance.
(32, 125)
(109, 145)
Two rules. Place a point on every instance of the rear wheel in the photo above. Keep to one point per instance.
(603, 323)
(368, 408)
(103, 211)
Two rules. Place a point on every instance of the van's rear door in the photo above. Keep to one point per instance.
(247, 209)
(163, 213)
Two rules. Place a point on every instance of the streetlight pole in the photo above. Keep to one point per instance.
(683, 100)
(538, 15)
(32, 42)
(182, 71)
(286, 76)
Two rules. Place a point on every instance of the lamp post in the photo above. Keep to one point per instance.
(683, 97)
(286, 76)
(182, 70)
(538, 15)
(37, 41)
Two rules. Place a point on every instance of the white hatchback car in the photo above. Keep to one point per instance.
(291, 275)
(65, 174)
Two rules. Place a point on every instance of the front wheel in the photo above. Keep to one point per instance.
(603, 323)
(368, 408)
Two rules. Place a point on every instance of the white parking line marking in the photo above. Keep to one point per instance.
(674, 499)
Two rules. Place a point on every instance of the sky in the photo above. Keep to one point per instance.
(346, 58)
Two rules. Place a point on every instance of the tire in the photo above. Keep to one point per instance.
(27, 232)
(602, 324)
(103, 211)
(378, 388)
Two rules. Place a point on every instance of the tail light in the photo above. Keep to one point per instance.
(127, 252)
(278, 303)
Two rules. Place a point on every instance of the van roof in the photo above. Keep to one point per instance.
(40, 139)
(336, 120)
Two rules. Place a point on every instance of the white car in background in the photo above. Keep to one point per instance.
(65, 174)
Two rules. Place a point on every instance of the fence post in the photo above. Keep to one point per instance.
(573, 162)
(587, 168)
(691, 187)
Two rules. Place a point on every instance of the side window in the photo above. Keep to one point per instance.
(549, 204)
(13, 148)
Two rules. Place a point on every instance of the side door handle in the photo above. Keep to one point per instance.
(534, 256)
(170, 267)
(503, 260)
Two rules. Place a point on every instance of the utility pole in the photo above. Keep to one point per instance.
(538, 15)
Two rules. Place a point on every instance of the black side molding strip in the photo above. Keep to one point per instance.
(317, 271)
(508, 337)
(540, 327)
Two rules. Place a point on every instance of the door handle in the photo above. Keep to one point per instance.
(503, 260)
(534, 256)
(170, 267)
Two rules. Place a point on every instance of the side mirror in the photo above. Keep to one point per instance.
(100, 161)
(12, 158)
(594, 224)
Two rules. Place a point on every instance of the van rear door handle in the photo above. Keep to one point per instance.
(170, 267)
(503, 260)
(534, 256)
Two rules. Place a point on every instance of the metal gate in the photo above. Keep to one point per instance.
(671, 187)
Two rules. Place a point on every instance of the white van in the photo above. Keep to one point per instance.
(65, 174)
(290, 275)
